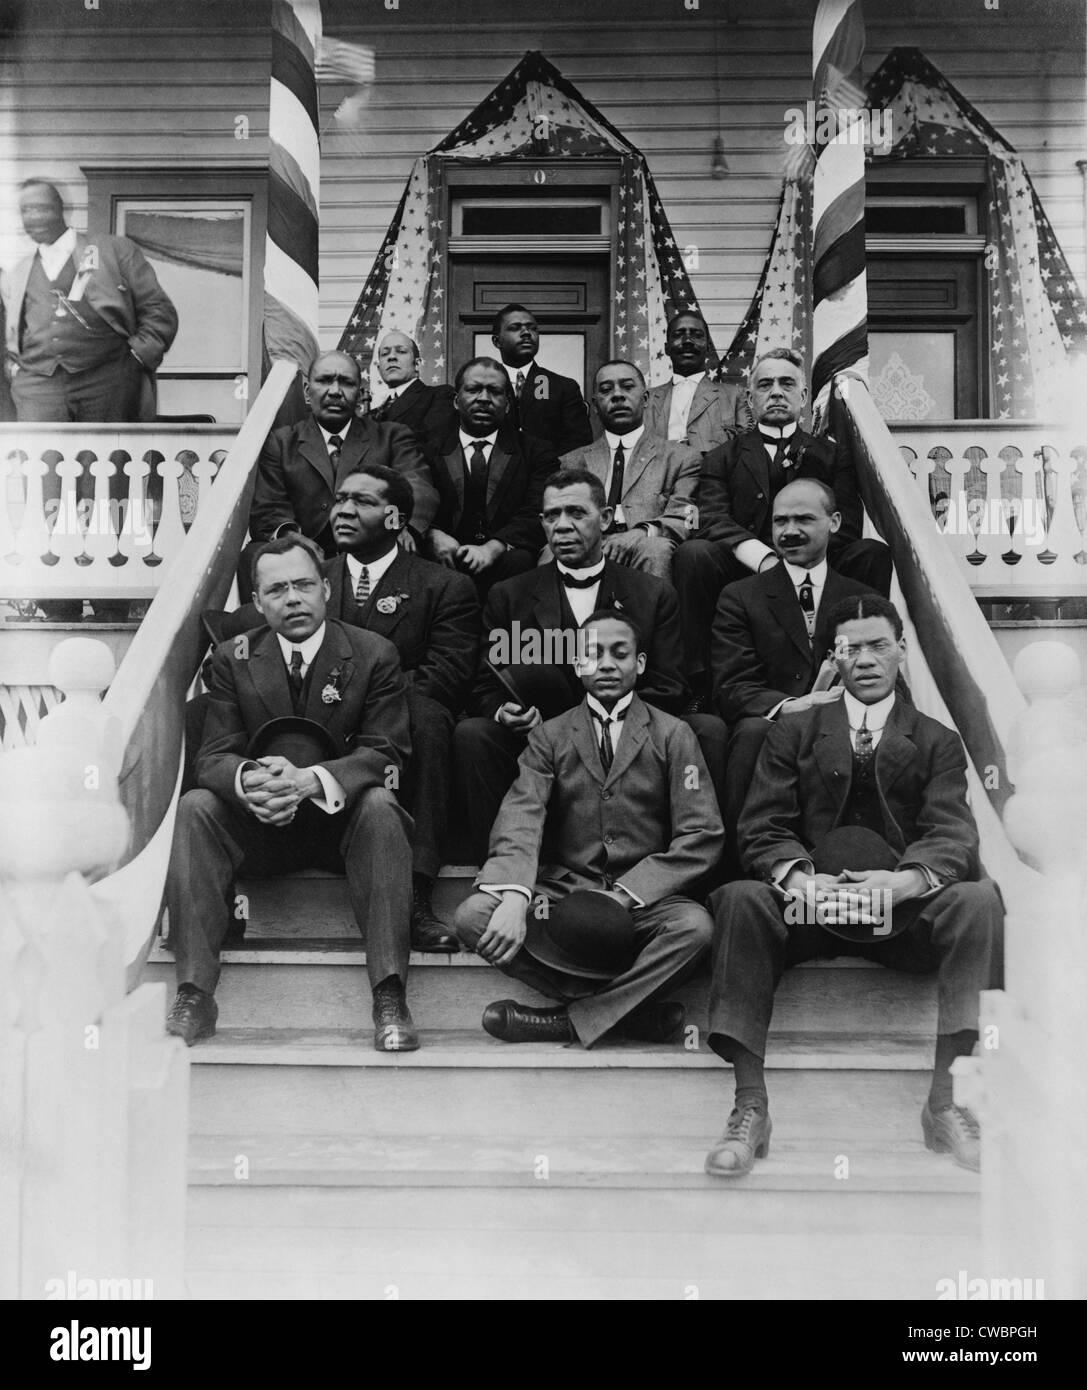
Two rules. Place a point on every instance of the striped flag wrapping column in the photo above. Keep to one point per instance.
(839, 286)
(294, 172)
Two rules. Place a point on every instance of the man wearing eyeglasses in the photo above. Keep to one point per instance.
(87, 322)
(858, 840)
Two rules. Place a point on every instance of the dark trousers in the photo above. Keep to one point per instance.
(958, 933)
(108, 393)
(427, 782)
(701, 569)
(672, 937)
(215, 841)
(485, 757)
(745, 742)
(513, 562)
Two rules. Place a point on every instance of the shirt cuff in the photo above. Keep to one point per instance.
(497, 889)
(287, 528)
(333, 797)
(752, 553)
(638, 902)
(773, 713)
(781, 872)
(242, 767)
(935, 883)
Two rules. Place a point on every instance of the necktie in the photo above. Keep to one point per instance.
(519, 384)
(864, 750)
(574, 581)
(294, 678)
(615, 491)
(807, 603)
(607, 753)
(335, 444)
(362, 588)
(475, 495)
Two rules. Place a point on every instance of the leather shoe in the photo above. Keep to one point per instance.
(654, 1023)
(746, 1138)
(513, 1022)
(954, 1131)
(193, 1015)
(428, 932)
(394, 1029)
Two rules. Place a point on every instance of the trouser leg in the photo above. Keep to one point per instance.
(484, 765)
(376, 852)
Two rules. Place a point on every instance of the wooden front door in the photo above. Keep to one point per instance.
(567, 294)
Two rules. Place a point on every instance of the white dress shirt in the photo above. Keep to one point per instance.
(333, 797)
(818, 577)
(599, 714)
(683, 392)
(468, 441)
(582, 601)
(526, 371)
(629, 443)
(753, 552)
(55, 257)
(375, 569)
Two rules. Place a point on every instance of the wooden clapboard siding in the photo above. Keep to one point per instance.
(146, 84)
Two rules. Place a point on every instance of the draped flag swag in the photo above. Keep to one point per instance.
(534, 114)
(1037, 313)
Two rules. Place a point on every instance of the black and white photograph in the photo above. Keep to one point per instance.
(543, 661)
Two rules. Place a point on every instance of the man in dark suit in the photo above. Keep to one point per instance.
(87, 322)
(649, 483)
(630, 825)
(530, 628)
(691, 409)
(269, 815)
(542, 403)
(490, 480)
(426, 410)
(859, 840)
(431, 616)
(299, 465)
(771, 636)
(739, 481)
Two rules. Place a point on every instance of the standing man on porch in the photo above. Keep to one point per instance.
(542, 403)
(426, 410)
(691, 409)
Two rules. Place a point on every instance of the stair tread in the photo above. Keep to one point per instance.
(633, 1161)
(344, 1047)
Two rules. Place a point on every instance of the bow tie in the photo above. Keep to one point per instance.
(571, 581)
(778, 440)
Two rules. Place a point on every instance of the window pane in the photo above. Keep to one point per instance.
(199, 253)
(913, 375)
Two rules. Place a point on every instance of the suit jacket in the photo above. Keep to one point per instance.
(719, 411)
(640, 823)
(519, 466)
(802, 783)
(660, 481)
(434, 622)
(760, 653)
(533, 601)
(248, 686)
(734, 495)
(426, 410)
(123, 289)
(552, 408)
(295, 485)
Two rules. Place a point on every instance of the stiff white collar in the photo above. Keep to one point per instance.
(309, 648)
(877, 714)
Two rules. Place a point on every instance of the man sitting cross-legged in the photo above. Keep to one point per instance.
(859, 841)
(623, 791)
(270, 815)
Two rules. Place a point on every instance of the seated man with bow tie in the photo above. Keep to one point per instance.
(490, 478)
(300, 464)
(270, 815)
(530, 627)
(431, 615)
(649, 482)
(633, 827)
(771, 637)
(735, 490)
(859, 840)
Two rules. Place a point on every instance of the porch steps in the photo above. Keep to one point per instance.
(471, 1168)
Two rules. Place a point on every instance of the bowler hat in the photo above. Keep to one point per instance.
(859, 848)
(302, 742)
(586, 934)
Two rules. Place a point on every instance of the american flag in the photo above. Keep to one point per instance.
(1037, 311)
(533, 114)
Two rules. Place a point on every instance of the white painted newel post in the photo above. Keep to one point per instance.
(93, 1094)
(1033, 1075)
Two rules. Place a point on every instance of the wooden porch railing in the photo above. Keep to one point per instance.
(1010, 498)
(98, 510)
